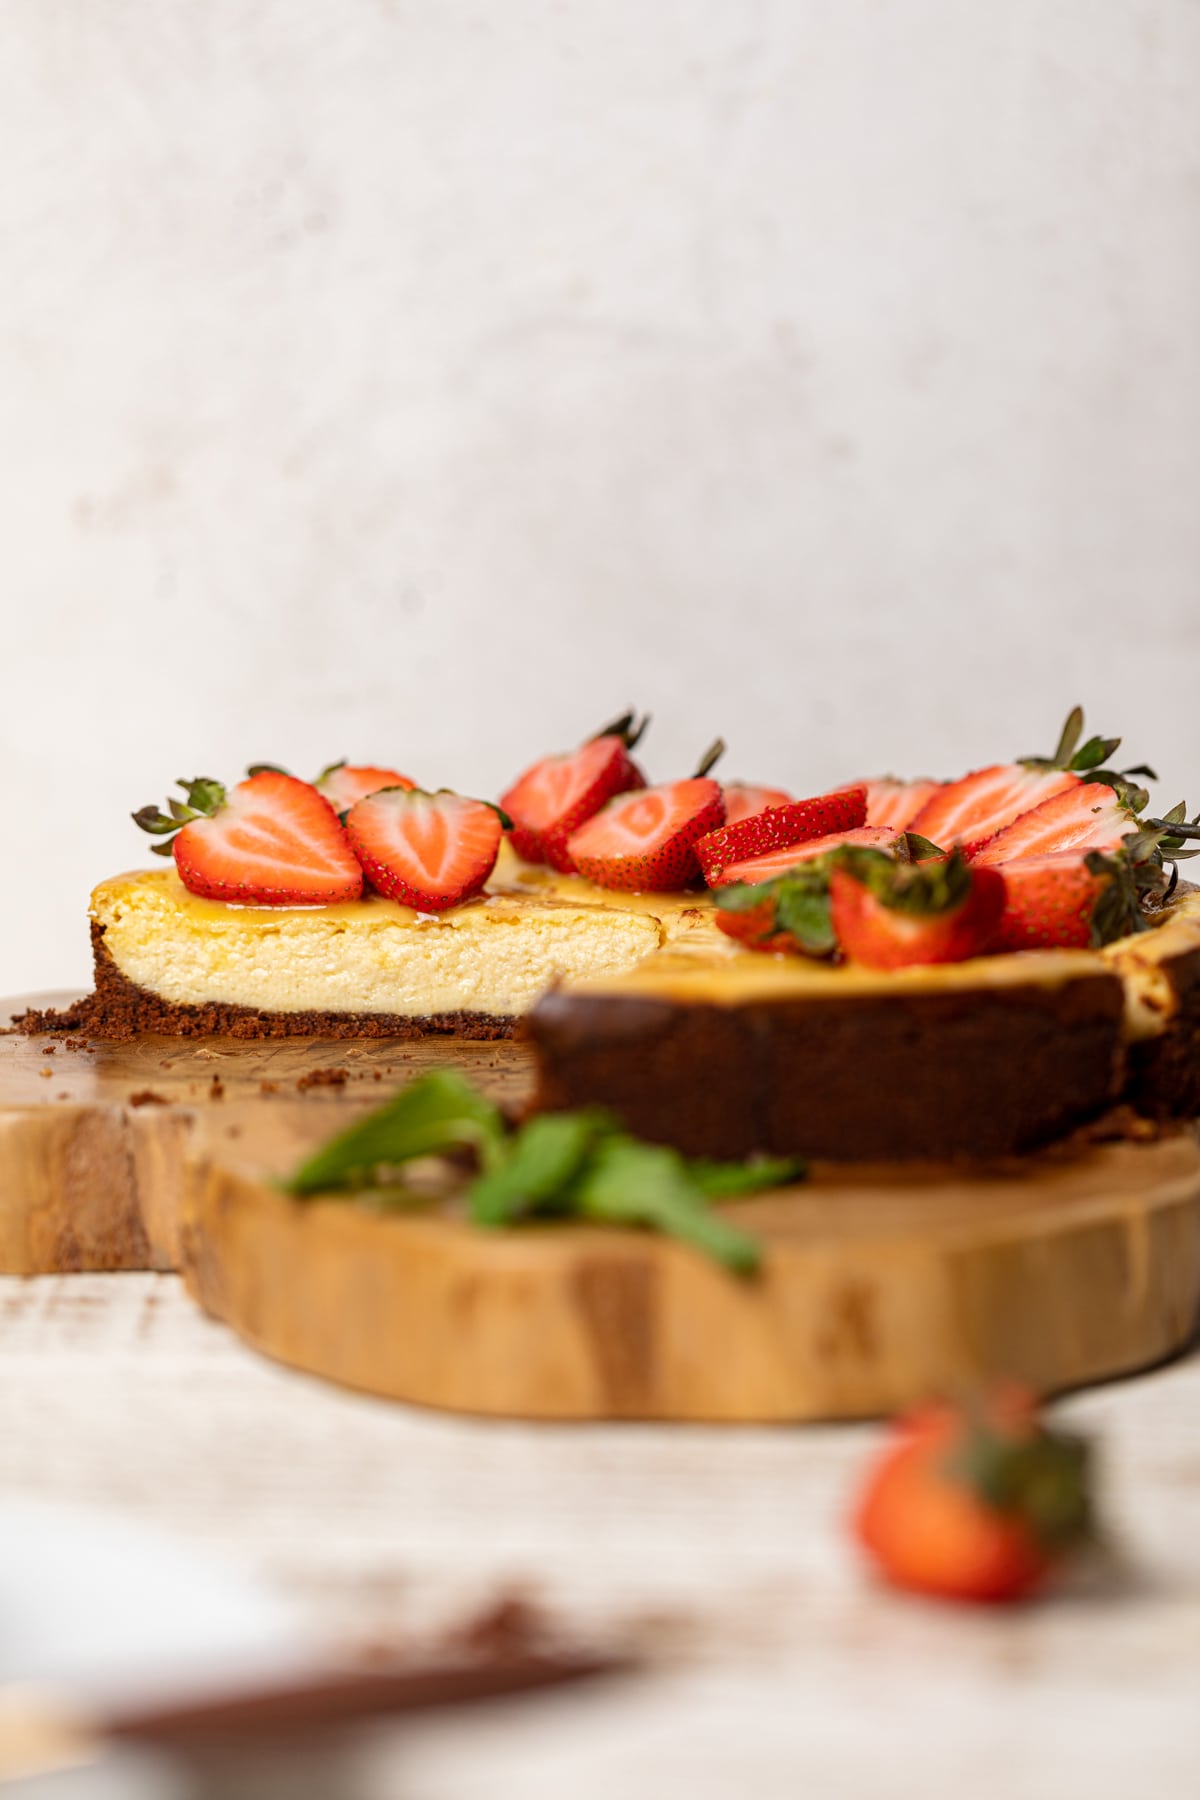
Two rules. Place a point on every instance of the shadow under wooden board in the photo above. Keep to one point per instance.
(93, 1135)
(876, 1288)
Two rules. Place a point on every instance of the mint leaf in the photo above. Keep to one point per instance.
(726, 1180)
(628, 1183)
(536, 1169)
(434, 1115)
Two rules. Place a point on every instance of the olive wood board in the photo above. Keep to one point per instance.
(877, 1289)
(93, 1134)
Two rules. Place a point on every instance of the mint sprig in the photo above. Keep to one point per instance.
(579, 1165)
(440, 1114)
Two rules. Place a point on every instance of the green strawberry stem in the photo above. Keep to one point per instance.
(204, 797)
(711, 758)
(628, 727)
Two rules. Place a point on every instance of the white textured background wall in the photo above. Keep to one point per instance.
(425, 379)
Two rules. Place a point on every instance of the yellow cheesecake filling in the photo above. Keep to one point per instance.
(1144, 964)
(698, 973)
(492, 955)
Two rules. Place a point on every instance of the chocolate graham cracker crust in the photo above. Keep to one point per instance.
(861, 1077)
(119, 1009)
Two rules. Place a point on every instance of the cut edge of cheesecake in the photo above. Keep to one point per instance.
(994, 1056)
(169, 962)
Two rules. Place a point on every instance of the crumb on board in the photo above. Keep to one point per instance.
(217, 1089)
(147, 1097)
(317, 1078)
(50, 1049)
(268, 1087)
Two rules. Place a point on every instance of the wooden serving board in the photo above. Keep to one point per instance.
(94, 1135)
(877, 1290)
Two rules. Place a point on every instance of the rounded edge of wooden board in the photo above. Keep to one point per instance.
(871, 1296)
(94, 1134)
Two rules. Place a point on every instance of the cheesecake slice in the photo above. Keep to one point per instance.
(727, 1053)
(169, 961)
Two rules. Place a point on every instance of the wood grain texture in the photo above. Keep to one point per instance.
(877, 1289)
(93, 1136)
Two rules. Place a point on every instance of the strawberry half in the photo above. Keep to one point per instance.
(970, 811)
(270, 841)
(345, 783)
(646, 841)
(889, 914)
(1089, 816)
(560, 793)
(897, 803)
(779, 862)
(778, 827)
(430, 851)
(788, 914)
(1070, 901)
(743, 799)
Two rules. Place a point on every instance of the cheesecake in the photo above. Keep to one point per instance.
(170, 961)
(729, 1053)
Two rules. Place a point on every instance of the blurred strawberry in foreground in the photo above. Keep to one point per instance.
(977, 1503)
(560, 793)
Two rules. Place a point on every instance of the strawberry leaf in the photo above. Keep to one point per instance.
(920, 889)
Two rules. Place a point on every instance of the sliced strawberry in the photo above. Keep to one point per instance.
(743, 799)
(271, 841)
(430, 851)
(972, 810)
(560, 793)
(1087, 817)
(1070, 900)
(779, 862)
(788, 914)
(889, 914)
(779, 826)
(344, 783)
(897, 803)
(646, 841)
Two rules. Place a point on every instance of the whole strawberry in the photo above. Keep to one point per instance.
(976, 1503)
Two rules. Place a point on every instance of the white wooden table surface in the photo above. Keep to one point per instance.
(780, 1669)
